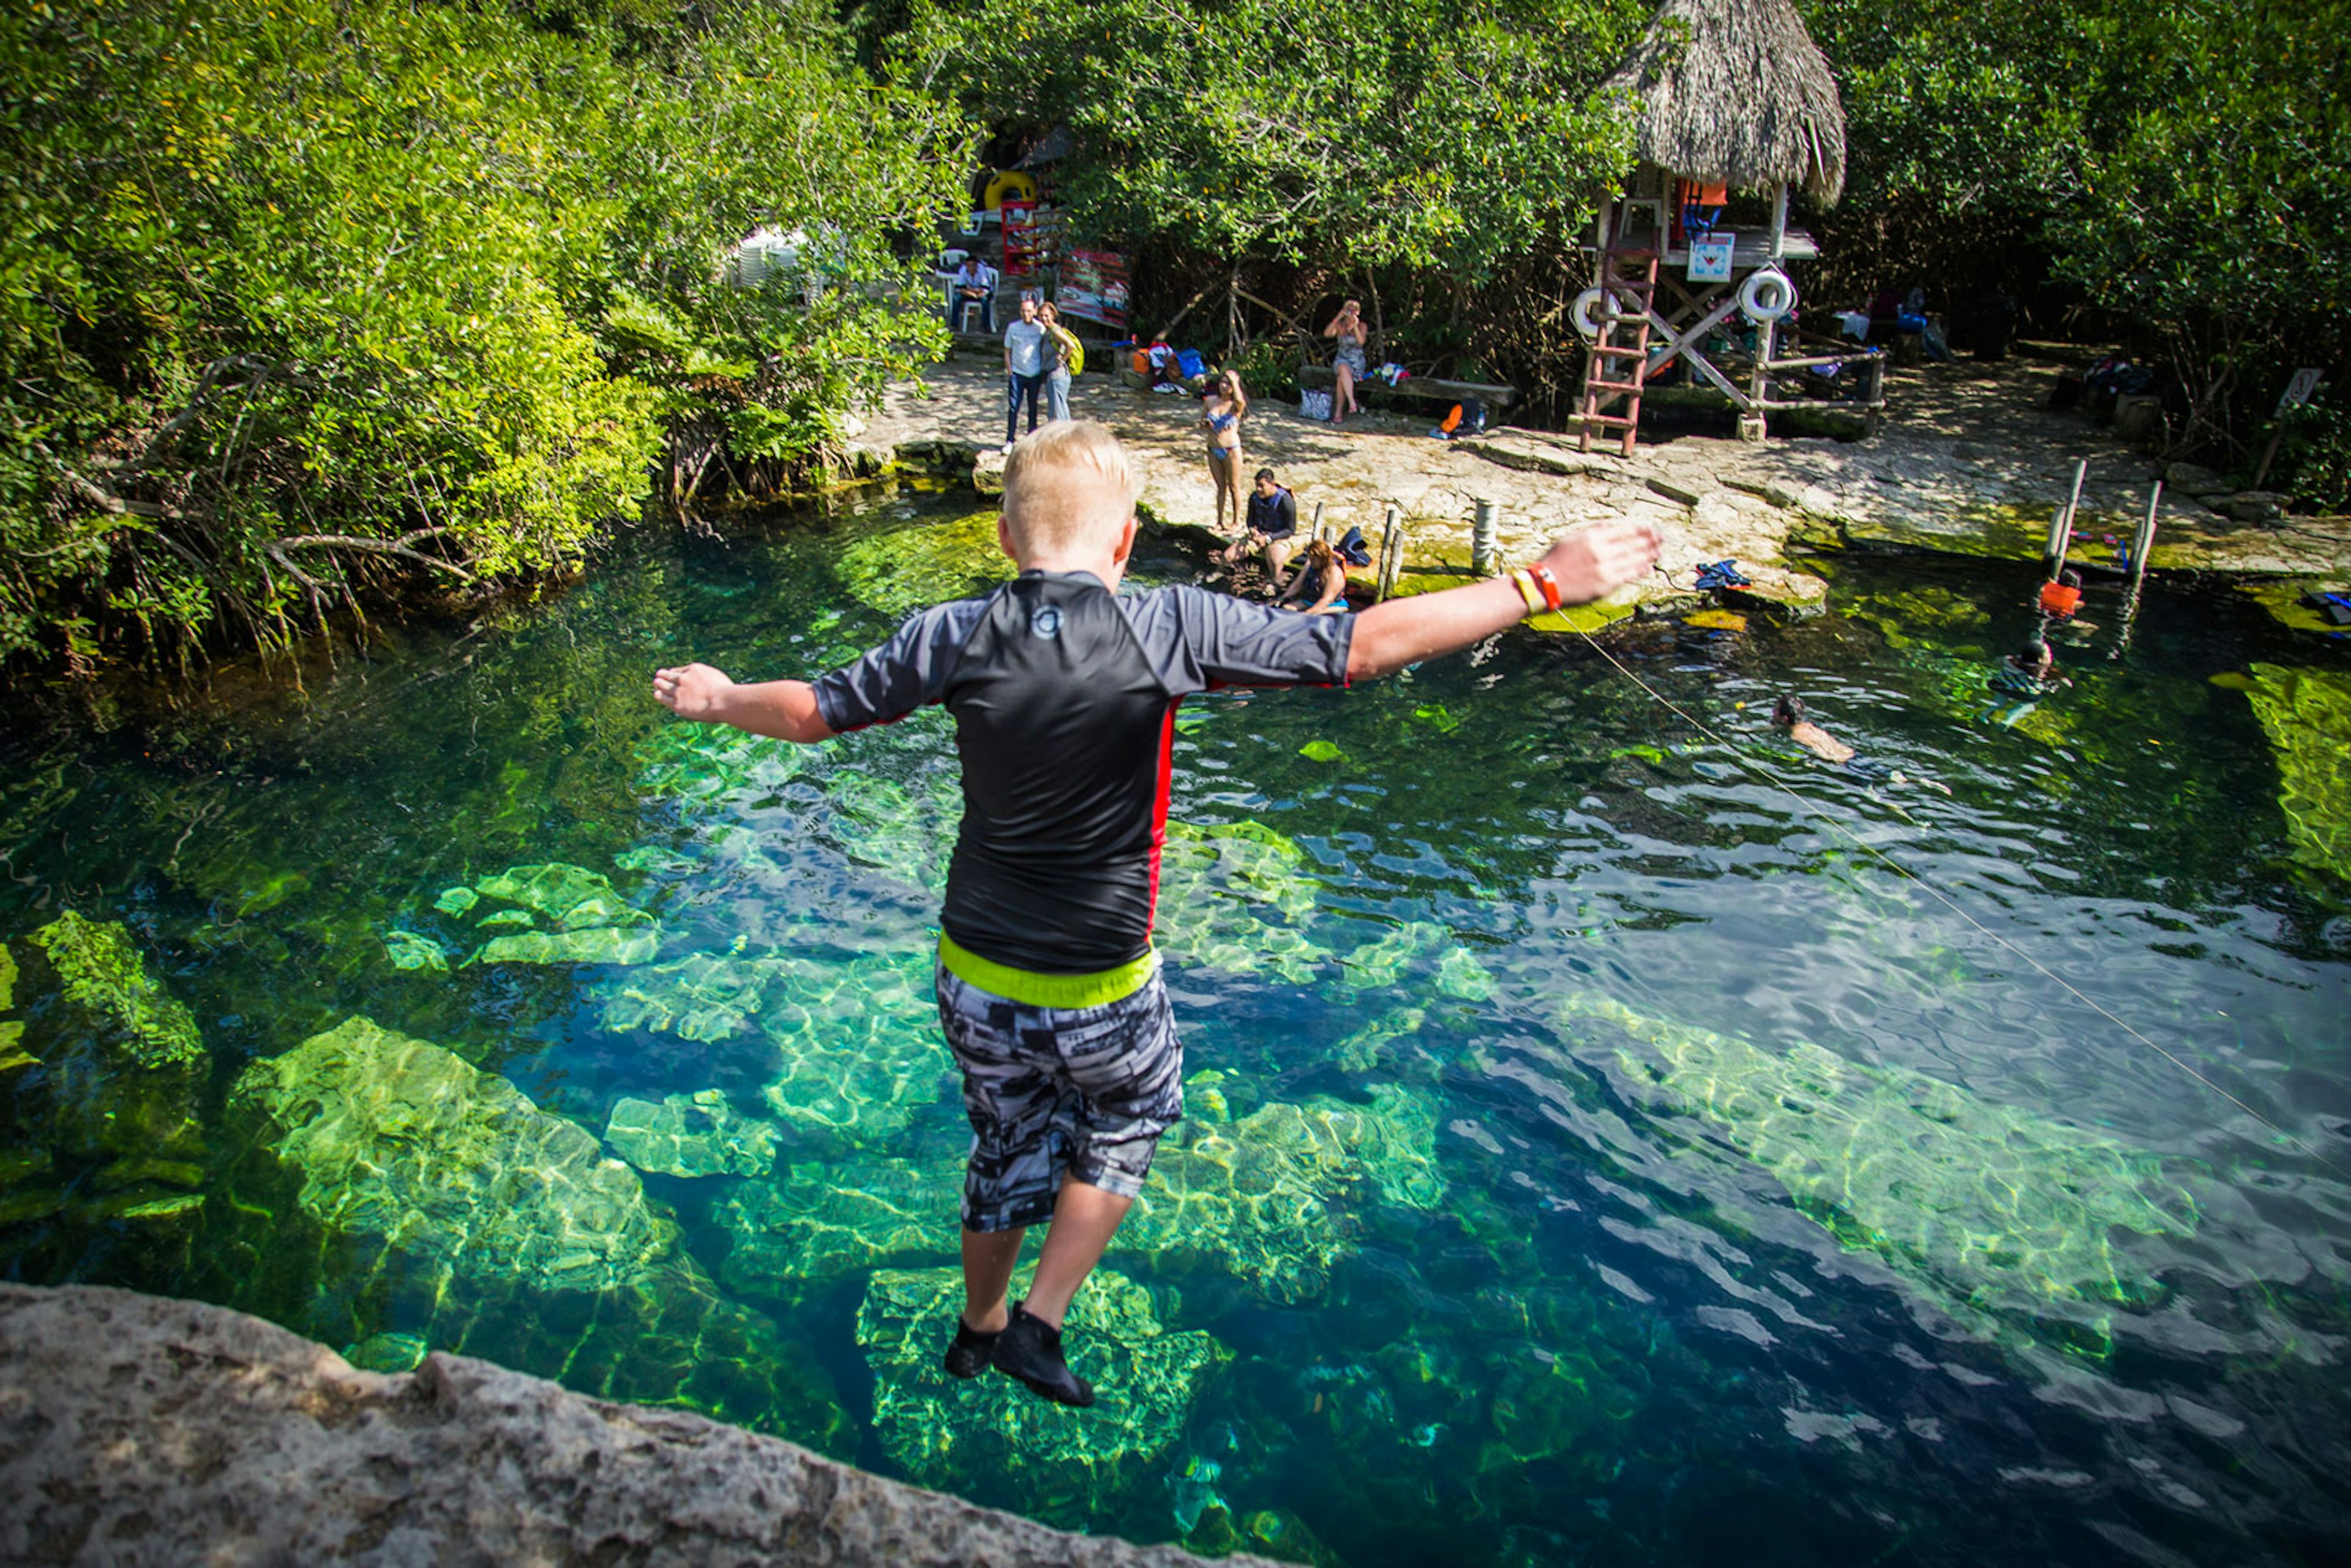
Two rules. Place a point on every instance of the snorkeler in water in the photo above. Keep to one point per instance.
(1788, 713)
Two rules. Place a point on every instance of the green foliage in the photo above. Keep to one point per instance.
(1413, 131)
(2313, 460)
(298, 294)
(2181, 164)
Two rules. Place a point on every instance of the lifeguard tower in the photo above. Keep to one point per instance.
(1735, 100)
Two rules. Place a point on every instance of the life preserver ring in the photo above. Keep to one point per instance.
(1766, 296)
(1585, 313)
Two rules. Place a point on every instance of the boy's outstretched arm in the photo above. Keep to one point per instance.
(784, 709)
(1589, 563)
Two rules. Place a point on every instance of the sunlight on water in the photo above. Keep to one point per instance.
(1593, 1151)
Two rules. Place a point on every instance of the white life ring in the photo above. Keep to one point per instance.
(1766, 296)
(1585, 313)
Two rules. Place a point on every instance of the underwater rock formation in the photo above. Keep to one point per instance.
(452, 1171)
(101, 1081)
(1252, 1198)
(693, 1134)
(101, 974)
(250, 1444)
(912, 569)
(2307, 715)
(1219, 888)
(546, 913)
(821, 1221)
(437, 1199)
(1072, 1463)
(857, 1044)
(1999, 1207)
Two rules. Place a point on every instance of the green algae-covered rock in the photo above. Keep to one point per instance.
(702, 996)
(913, 568)
(988, 1433)
(1252, 1198)
(101, 1060)
(392, 1181)
(569, 897)
(819, 1221)
(102, 973)
(452, 1173)
(2307, 715)
(698, 761)
(595, 945)
(1998, 1207)
(691, 1135)
(1236, 898)
(857, 1046)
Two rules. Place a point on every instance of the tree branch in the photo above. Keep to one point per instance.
(399, 547)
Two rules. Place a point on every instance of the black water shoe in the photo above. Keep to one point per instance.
(1030, 1350)
(970, 1352)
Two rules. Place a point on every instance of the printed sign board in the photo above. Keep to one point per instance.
(1093, 287)
(1709, 258)
(2299, 390)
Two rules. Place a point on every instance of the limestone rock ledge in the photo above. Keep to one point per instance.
(136, 1430)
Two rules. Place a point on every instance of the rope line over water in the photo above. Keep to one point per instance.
(1819, 814)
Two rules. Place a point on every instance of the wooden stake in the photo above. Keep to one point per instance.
(2061, 527)
(2145, 543)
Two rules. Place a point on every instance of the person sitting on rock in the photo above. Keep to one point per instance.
(1273, 528)
(1063, 692)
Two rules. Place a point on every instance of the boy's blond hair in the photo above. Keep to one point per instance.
(1068, 488)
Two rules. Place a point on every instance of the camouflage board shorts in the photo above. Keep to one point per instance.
(1059, 1091)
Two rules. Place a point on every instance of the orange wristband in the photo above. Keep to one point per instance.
(1547, 582)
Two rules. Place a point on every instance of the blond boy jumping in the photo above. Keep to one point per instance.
(1064, 693)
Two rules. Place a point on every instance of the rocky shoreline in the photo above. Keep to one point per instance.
(1970, 463)
(140, 1430)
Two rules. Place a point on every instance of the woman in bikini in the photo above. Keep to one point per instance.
(1346, 358)
(1222, 410)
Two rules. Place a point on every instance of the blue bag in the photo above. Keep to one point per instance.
(1190, 365)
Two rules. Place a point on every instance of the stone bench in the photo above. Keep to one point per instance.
(1429, 389)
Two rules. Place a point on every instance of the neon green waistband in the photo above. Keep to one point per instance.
(1037, 990)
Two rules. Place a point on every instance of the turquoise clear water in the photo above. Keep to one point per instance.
(1598, 1154)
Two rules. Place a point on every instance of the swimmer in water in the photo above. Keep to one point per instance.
(1788, 713)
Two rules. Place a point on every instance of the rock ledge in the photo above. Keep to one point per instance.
(136, 1430)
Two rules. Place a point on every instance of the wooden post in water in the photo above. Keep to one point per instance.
(2144, 541)
(1482, 538)
(2061, 527)
(1390, 553)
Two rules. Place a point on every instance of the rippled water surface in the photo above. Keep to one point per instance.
(1596, 1152)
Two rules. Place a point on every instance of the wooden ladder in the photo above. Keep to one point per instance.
(1628, 283)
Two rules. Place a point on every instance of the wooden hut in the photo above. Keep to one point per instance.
(1733, 98)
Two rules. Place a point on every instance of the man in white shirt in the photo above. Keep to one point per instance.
(1024, 368)
(974, 284)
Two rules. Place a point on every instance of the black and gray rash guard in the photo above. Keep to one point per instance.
(1064, 699)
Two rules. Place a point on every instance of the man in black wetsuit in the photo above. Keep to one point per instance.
(1064, 694)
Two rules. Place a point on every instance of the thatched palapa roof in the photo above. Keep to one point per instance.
(1735, 91)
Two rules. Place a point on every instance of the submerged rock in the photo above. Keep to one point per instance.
(556, 913)
(451, 1172)
(2306, 714)
(821, 1221)
(101, 1061)
(912, 569)
(1220, 889)
(1998, 1207)
(1252, 1198)
(990, 1433)
(691, 1135)
(422, 1192)
(100, 971)
(857, 1046)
